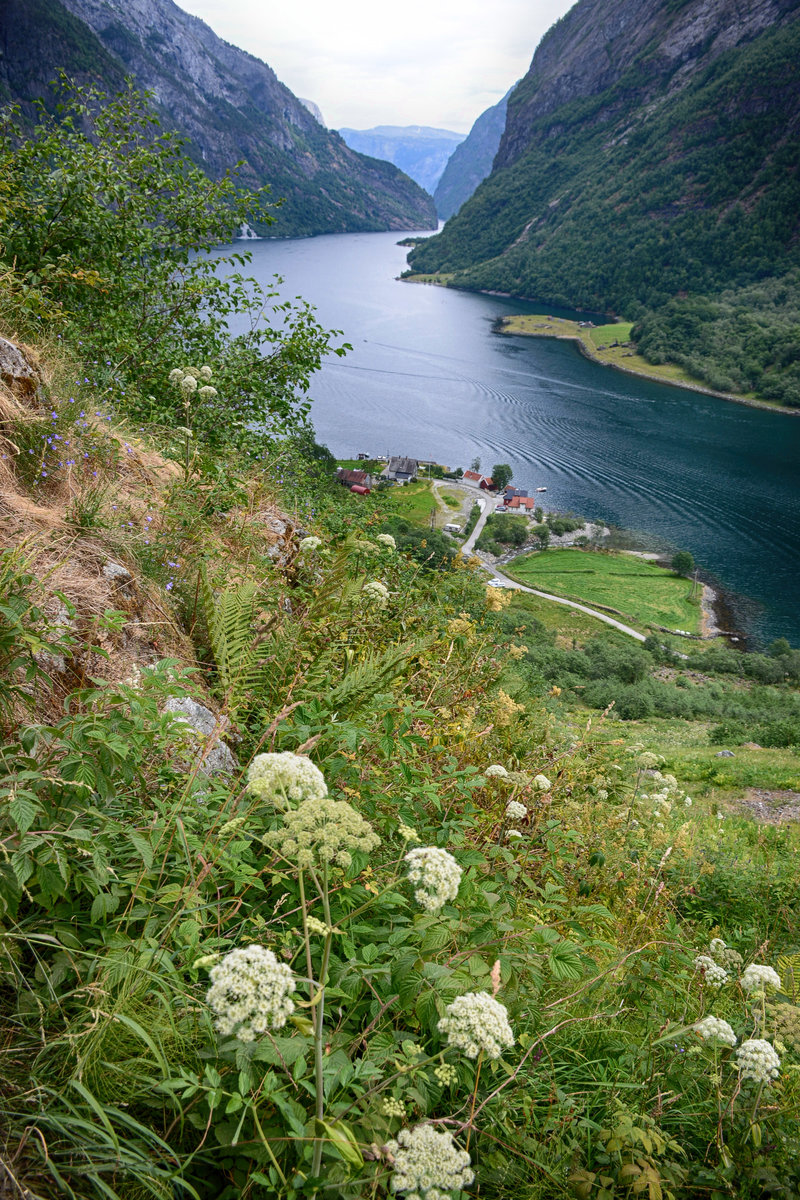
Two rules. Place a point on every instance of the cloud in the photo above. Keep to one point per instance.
(426, 64)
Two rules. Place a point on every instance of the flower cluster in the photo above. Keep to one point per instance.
(714, 975)
(516, 811)
(428, 1165)
(757, 1061)
(505, 709)
(497, 599)
(757, 978)
(475, 1022)
(513, 835)
(189, 380)
(446, 1074)
(310, 543)
(649, 761)
(393, 1108)
(715, 1029)
(285, 776)
(407, 833)
(542, 783)
(496, 771)
(314, 925)
(436, 875)
(786, 1019)
(250, 993)
(323, 830)
(461, 626)
(386, 539)
(725, 955)
(377, 593)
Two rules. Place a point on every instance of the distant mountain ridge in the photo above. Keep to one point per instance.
(419, 150)
(230, 104)
(650, 166)
(471, 162)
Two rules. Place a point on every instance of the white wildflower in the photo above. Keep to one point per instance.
(516, 811)
(206, 372)
(542, 783)
(687, 802)
(759, 978)
(376, 592)
(175, 375)
(323, 830)
(715, 1029)
(602, 794)
(757, 1060)
(716, 947)
(513, 835)
(386, 539)
(285, 776)
(310, 543)
(496, 771)
(648, 760)
(188, 385)
(436, 874)
(407, 833)
(715, 975)
(428, 1165)
(475, 1022)
(207, 393)
(250, 992)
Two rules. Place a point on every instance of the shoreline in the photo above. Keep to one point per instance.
(587, 352)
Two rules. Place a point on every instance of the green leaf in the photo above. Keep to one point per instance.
(564, 961)
(343, 1138)
(23, 811)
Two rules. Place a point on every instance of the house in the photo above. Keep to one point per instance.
(472, 477)
(401, 469)
(521, 504)
(512, 491)
(349, 478)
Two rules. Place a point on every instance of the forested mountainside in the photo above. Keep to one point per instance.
(419, 150)
(229, 104)
(649, 166)
(471, 162)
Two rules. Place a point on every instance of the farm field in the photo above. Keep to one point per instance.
(648, 594)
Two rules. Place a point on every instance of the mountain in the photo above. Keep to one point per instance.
(471, 162)
(650, 166)
(229, 104)
(418, 150)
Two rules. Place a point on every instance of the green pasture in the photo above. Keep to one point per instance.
(413, 501)
(647, 594)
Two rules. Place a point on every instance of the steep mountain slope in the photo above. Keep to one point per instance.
(230, 104)
(471, 162)
(651, 156)
(420, 151)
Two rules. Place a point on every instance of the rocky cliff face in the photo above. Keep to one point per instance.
(593, 48)
(471, 162)
(652, 151)
(232, 107)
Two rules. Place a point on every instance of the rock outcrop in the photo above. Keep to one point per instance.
(471, 162)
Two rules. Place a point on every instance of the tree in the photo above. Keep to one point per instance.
(501, 475)
(682, 563)
(475, 465)
(542, 532)
(106, 229)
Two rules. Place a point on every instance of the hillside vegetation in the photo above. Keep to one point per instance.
(668, 194)
(392, 912)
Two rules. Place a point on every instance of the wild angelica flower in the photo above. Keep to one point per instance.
(393, 1108)
(316, 926)
(207, 393)
(757, 1061)
(446, 1074)
(436, 874)
(759, 978)
(715, 975)
(175, 376)
(323, 830)
(715, 1029)
(516, 811)
(648, 760)
(475, 1022)
(376, 592)
(206, 372)
(496, 771)
(513, 835)
(310, 543)
(428, 1165)
(716, 948)
(542, 783)
(386, 539)
(250, 992)
(285, 776)
(407, 833)
(188, 385)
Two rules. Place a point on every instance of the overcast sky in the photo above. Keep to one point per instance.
(430, 62)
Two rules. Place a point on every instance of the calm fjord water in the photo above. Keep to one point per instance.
(428, 378)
